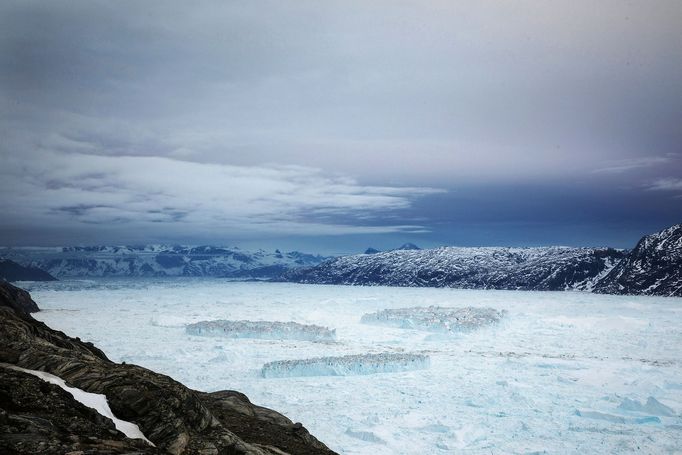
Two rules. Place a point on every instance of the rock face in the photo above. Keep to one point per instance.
(546, 269)
(11, 271)
(176, 419)
(159, 260)
(38, 417)
(653, 267)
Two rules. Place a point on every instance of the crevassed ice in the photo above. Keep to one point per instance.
(268, 330)
(347, 365)
(435, 318)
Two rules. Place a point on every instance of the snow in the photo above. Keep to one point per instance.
(346, 365)
(435, 319)
(266, 330)
(96, 401)
(158, 260)
(515, 386)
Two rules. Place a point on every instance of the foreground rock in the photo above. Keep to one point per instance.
(176, 419)
(654, 267)
(38, 417)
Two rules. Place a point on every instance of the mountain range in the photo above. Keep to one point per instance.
(653, 267)
(159, 260)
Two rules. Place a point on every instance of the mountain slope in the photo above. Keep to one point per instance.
(11, 271)
(159, 260)
(547, 268)
(653, 267)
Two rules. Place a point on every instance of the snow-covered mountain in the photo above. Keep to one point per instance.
(545, 268)
(653, 267)
(159, 260)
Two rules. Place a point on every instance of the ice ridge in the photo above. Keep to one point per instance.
(435, 318)
(348, 365)
(267, 330)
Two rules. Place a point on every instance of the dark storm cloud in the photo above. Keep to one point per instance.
(238, 119)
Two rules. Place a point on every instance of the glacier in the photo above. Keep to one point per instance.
(267, 330)
(435, 319)
(515, 386)
(159, 260)
(347, 365)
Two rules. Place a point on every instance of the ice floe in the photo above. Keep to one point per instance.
(267, 330)
(435, 318)
(346, 365)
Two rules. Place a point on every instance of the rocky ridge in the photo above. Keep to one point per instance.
(11, 271)
(538, 269)
(176, 419)
(653, 267)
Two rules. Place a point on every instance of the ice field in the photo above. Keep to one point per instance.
(560, 372)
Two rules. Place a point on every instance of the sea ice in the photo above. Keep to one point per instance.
(267, 330)
(652, 406)
(435, 318)
(493, 391)
(617, 419)
(346, 365)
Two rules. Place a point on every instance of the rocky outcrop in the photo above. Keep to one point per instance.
(653, 267)
(176, 419)
(541, 269)
(39, 417)
(17, 299)
(11, 271)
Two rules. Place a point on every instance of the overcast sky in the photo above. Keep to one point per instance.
(334, 125)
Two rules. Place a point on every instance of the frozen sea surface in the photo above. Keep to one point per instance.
(562, 372)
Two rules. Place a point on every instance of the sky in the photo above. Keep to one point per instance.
(337, 125)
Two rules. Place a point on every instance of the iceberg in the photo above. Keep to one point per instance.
(652, 406)
(435, 318)
(266, 330)
(347, 365)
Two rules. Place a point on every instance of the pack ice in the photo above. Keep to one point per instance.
(347, 365)
(267, 330)
(435, 318)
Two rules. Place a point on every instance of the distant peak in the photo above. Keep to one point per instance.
(371, 250)
(408, 246)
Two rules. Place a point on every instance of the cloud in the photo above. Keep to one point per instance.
(666, 184)
(630, 164)
(169, 195)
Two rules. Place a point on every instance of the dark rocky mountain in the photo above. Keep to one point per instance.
(371, 250)
(37, 417)
(159, 260)
(549, 268)
(653, 267)
(11, 271)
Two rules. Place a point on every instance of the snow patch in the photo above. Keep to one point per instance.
(96, 401)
